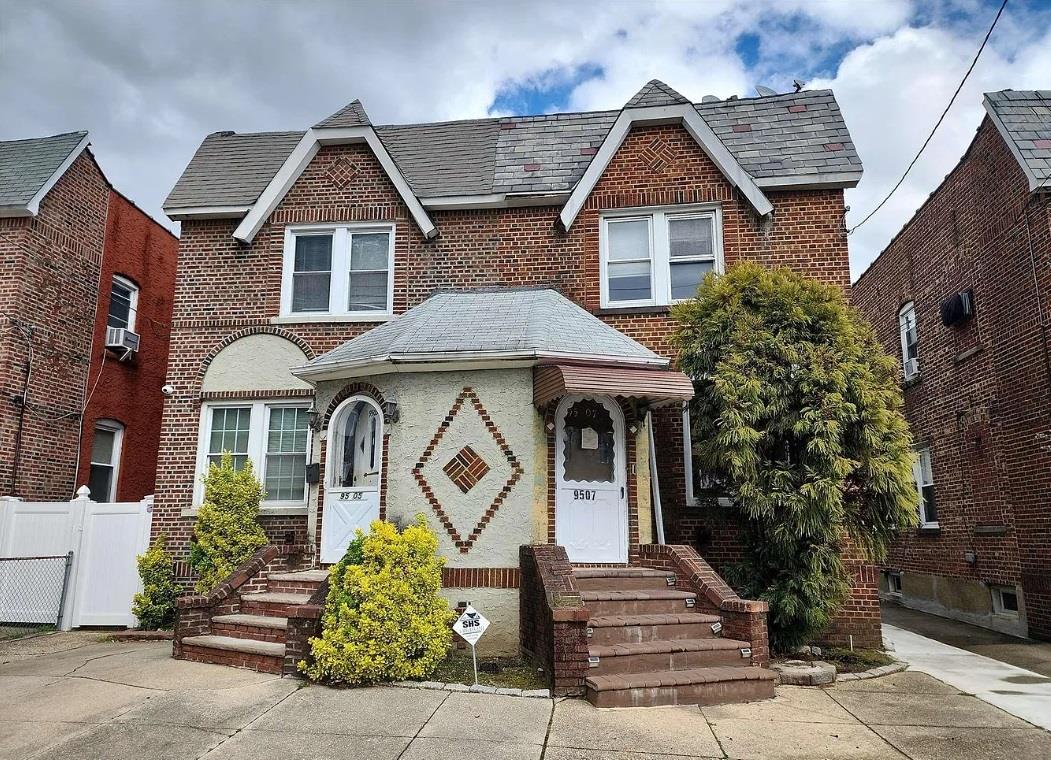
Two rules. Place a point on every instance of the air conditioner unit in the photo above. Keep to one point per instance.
(912, 368)
(957, 308)
(122, 339)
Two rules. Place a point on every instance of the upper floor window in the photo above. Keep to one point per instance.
(105, 460)
(909, 340)
(924, 477)
(342, 270)
(123, 303)
(655, 258)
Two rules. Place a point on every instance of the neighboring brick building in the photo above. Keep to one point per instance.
(294, 243)
(69, 241)
(978, 394)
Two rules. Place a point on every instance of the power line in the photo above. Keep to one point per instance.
(938, 124)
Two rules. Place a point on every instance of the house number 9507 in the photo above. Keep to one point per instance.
(583, 494)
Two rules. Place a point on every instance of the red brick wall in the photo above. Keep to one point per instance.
(982, 402)
(129, 392)
(223, 287)
(52, 263)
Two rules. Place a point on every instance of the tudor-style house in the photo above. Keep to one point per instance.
(470, 320)
(961, 295)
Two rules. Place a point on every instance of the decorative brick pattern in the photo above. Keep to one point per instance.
(466, 469)
(481, 577)
(657, 155)
(342, 172)
(464, 544)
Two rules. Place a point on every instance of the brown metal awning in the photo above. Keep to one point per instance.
(656, 386)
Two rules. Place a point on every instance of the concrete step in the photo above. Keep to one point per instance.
(653, 656)
(272, 603)
(627, 629)
(258, 627)
(638, 602)
(261, 656)
(622, 578)
(696, 686)
(302, 581)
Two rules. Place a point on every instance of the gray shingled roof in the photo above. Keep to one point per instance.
(351, 115)
(27, 165)
(530, 322)
(779, 140)
(1024, 120)
(656, 93)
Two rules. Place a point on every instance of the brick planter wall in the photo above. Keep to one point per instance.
(304, 623)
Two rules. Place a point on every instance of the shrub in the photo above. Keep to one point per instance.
(797, 414)
(384, 619)
(154, 606)
(227, 531)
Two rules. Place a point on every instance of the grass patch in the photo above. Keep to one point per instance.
(502, 672)
(845, 660)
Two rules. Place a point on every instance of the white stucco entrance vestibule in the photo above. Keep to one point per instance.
(591, 506)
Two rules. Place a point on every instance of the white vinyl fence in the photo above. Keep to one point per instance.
(104, 540)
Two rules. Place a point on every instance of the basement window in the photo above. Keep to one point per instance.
(893, 583)
(1005, 600)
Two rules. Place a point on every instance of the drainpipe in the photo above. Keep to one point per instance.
(1036, 288)
(655, 487)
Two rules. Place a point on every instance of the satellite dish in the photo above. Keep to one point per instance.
(710, 99)
(764, 92)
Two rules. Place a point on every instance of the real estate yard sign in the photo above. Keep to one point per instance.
(470, 626)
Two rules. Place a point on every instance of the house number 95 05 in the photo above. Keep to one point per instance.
(583, 494)
(355, 496)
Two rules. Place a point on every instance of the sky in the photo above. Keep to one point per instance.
(150, 79)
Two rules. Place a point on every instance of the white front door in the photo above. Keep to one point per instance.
(354, 462)
(591, 508)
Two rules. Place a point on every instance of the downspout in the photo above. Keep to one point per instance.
(655, 487)
(1039, 301)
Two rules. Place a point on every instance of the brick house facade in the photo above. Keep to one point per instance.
(64, 232)
(980, 403)
(229, 289)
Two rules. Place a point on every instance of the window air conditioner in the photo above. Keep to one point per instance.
(912, 368)
(957, 308)
(121, 339)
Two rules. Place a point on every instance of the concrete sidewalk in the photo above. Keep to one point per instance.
(70, 697)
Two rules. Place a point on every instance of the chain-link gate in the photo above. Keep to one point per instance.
(32, 593)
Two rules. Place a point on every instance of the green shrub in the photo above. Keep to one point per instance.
(384, 618)
(227, 531)
(154, 606)
(797, 414)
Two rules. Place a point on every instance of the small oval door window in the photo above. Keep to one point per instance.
(588, 444)
(356, 456)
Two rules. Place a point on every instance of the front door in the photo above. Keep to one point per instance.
(354, 462)
(591, 510)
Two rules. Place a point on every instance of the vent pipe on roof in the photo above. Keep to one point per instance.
(710, 99)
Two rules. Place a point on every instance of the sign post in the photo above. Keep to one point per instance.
(470, 626)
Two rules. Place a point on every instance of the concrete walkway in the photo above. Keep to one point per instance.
(73, 697)
(1020, 692)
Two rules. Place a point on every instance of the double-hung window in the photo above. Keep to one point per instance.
(123, 303)
(105, 460)
(910, 340)
(655, 258)
(343, 271)
(273, 435)
(924, 477)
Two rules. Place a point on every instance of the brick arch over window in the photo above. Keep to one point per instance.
(258, 330)
(357, 389)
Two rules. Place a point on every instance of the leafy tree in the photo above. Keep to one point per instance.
(154, 606)
(797, 414)
(228, 532)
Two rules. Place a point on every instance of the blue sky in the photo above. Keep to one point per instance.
(150, 79)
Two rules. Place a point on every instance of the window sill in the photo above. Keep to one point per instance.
(293, 510)
(613, 310)
(297, 319)
(912, 380)
(930, 529)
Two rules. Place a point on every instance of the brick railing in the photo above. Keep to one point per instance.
(552, 618)
(193, 612)
(304, 623)
(743, 619)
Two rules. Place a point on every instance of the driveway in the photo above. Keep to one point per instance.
(69, 696)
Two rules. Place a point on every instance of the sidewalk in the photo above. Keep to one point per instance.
(1022, 693)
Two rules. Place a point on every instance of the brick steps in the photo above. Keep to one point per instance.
(653, 656)
(622, 579)
(302, 582)
(258, 627)
(697, 686)
(627, 629)
(638, 602)
(263, 656)
(272, 603)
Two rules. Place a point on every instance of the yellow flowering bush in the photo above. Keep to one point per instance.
(384, 619)
(154, 606)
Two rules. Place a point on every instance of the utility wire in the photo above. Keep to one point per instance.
(938, 124)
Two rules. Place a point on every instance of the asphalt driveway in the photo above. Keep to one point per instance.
(69, 696)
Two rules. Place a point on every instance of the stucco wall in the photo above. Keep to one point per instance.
(255, 363)
(500, 608)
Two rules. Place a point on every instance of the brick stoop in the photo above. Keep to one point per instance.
(651, 643)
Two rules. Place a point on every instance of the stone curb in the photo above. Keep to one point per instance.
(476, 689)
(884, 670)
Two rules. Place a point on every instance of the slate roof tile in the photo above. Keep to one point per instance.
(1023, 117)
(27, 165)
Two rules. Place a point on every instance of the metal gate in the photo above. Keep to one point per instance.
(32, 593)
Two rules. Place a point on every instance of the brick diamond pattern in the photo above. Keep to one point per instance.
(466, 469)
(657, 156)
(462, 543)
(342, 172)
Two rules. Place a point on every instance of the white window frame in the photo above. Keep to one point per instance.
(917, 476)
(133, 306)
(339, 283)
(893, 583)
(259, 422)
(998, 601)
(906, 310)
(687, 455)
(117, 429)
(660, 249)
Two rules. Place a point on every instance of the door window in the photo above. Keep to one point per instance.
(356, 447)
(589, 443)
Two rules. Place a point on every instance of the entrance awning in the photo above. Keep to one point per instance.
(655, 386)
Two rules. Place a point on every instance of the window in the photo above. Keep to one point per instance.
(893, 583)
(105, 460)
(354, 459)
(123, 303)
(921, 472)
(909, 340)
(273, 435)
(659, 257)
(338, 271)
(698, 480)
(1005, 600)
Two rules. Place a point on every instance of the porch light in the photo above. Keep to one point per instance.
(390, 411)
(313, 418)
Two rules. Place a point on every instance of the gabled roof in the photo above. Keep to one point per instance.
(351, 115)
(509, 325)
(656, 93)
(30, 168)
(781, 141)
(1023, 118)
